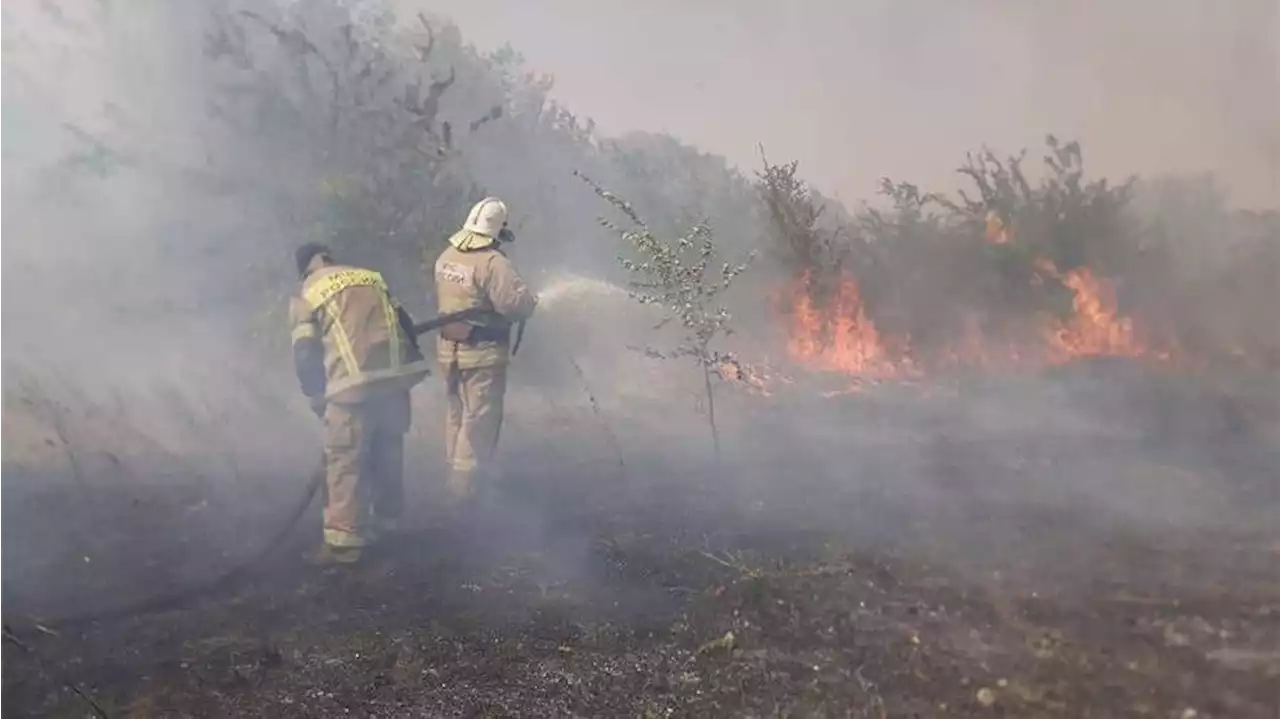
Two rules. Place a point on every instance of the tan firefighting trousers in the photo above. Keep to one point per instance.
(472, 425)
(364, 467)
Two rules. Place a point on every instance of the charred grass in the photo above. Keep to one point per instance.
(678, 596)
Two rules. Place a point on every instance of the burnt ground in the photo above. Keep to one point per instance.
(960, 569)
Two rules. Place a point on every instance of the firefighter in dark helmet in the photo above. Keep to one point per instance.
(356, 358)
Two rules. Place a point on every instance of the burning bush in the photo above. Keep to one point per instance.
(1020, 273)
(320, 120)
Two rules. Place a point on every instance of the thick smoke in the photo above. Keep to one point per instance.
(858, 91)
(882, 529)
(125, 263)
(157, 181)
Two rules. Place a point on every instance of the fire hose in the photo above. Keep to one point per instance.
(229, 577)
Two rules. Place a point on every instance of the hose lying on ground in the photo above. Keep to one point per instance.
(163, 602)
(193, 592)
(57, 674)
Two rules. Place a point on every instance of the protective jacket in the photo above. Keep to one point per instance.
(351, 338)
(479, 276)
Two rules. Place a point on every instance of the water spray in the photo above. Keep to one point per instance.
(577, 287)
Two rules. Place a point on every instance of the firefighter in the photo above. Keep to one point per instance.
(356, 358)
(473, 271)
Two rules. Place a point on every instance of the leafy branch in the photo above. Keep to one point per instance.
(684, 279)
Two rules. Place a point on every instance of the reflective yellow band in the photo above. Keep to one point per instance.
(342, 538)
(464, 465)
(393, 331)
(346, 351)
(304, 332)
(345, 383)
(326, 287)
(471, 357)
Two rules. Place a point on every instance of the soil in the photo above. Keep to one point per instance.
(671, 586)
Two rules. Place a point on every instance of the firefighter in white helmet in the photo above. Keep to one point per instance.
(472, 272)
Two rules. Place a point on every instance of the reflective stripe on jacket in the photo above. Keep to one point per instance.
(357, 322)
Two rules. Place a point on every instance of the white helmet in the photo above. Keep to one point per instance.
(487, 218)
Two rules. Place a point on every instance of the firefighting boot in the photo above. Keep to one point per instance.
(328, 555)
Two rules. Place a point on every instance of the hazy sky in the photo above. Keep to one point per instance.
(864, 88)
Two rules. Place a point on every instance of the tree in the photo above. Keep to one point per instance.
(799, 243)
(677, 277)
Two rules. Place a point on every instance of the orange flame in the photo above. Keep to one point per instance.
(751, 377)
(839, 337)
(1095, 327)
(996, 231)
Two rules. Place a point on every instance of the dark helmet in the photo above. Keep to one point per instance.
(308, 252)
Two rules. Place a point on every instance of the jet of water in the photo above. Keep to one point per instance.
(571, 287)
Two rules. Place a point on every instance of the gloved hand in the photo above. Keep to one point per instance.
(317, 407)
